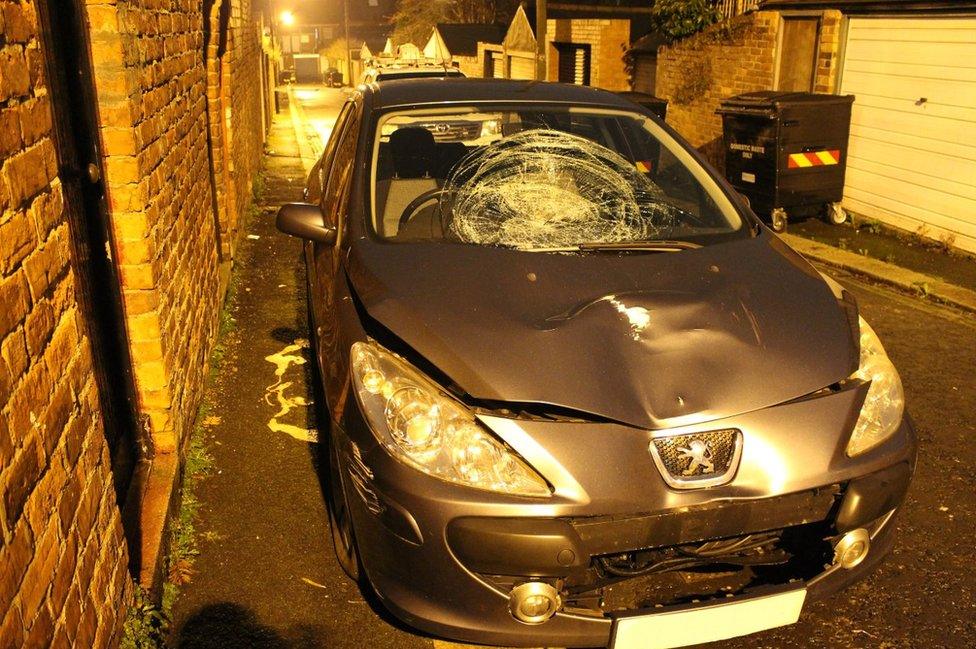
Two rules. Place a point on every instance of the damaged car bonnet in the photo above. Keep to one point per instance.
(652, 341)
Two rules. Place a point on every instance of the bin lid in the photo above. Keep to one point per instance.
(768, 102)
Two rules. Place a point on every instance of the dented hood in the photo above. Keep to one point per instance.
(653, 340)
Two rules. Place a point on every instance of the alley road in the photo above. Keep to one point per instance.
(267, 577)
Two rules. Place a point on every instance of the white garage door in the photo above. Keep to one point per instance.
(912, 159)
(521, 67)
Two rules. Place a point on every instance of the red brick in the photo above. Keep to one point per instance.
(14, 74)
(38, 577)
(12, 628)
(39, 326)
(41, 632)
(10, 141)
(35, 119)
(14, 354)
(21, 476)
(15, 556)
(14, 302)
(18, 23)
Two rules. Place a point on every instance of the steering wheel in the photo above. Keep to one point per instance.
(413, 206)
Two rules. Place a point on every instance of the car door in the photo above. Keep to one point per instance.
(326, 258)
(315, 190)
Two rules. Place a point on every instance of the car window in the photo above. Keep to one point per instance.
(541, 178)
(336, 188)
(315, 186)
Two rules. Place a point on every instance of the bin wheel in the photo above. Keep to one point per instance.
(835, 214)
(778, 217)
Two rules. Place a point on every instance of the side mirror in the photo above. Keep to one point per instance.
(305, 221)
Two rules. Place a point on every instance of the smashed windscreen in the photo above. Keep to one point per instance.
(539, 179)
(546, 188)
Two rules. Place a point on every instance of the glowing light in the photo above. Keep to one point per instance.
(287, 18)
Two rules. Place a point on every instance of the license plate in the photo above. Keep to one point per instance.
(708, 622)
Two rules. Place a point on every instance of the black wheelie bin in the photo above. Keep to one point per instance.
(787, 152)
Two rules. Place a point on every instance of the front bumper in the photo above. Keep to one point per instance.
(443, 558)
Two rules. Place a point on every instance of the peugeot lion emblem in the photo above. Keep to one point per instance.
(700, 455)
(697, 459)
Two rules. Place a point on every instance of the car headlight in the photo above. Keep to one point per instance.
(430, 431)
(885, 401)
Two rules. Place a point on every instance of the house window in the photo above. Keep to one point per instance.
(574, 63)
(798, 54)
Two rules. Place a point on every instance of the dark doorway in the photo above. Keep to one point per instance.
(69, 74)
(574, 63)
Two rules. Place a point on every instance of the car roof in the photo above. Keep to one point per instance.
(431, 70)
(441, 90)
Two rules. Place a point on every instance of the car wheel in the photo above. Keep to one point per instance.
(835, 214)
(778, 218)
(340, 521)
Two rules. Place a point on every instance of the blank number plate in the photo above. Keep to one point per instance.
(708, 623)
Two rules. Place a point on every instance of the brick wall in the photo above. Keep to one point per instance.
(235, 120)
(151, 85)
(695, 74)
(63, 560)
(608, 41)
(828, 51)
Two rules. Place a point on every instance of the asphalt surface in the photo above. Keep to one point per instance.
(267, 576)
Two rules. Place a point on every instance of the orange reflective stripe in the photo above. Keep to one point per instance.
(813, 159)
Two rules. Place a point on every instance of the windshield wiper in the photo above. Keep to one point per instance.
(640, 246)
(665, 245)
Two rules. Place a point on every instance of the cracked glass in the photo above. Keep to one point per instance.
(542, 179)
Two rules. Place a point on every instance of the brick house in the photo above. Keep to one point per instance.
(130, 136)
(911, 66)
(587, 43)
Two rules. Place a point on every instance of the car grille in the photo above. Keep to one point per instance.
(696, 457)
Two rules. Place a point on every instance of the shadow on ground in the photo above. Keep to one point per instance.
(230, 626)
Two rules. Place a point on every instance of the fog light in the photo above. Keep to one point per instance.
(852, 548)
(533, 602)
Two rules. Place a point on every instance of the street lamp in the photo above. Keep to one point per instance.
(287, 18)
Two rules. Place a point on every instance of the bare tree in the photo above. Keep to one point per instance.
(414, 19)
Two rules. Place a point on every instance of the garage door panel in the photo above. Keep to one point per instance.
(914, 71)
(961, 113)
(919, 177)
(934, 162)
(909, 35)
(916, 145)
(948, 206)
(928, 24)
(952, 131)
(961, 55)
(895, 86)
(520, 67)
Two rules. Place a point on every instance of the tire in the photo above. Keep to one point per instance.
(835, 214)
(778, 219)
